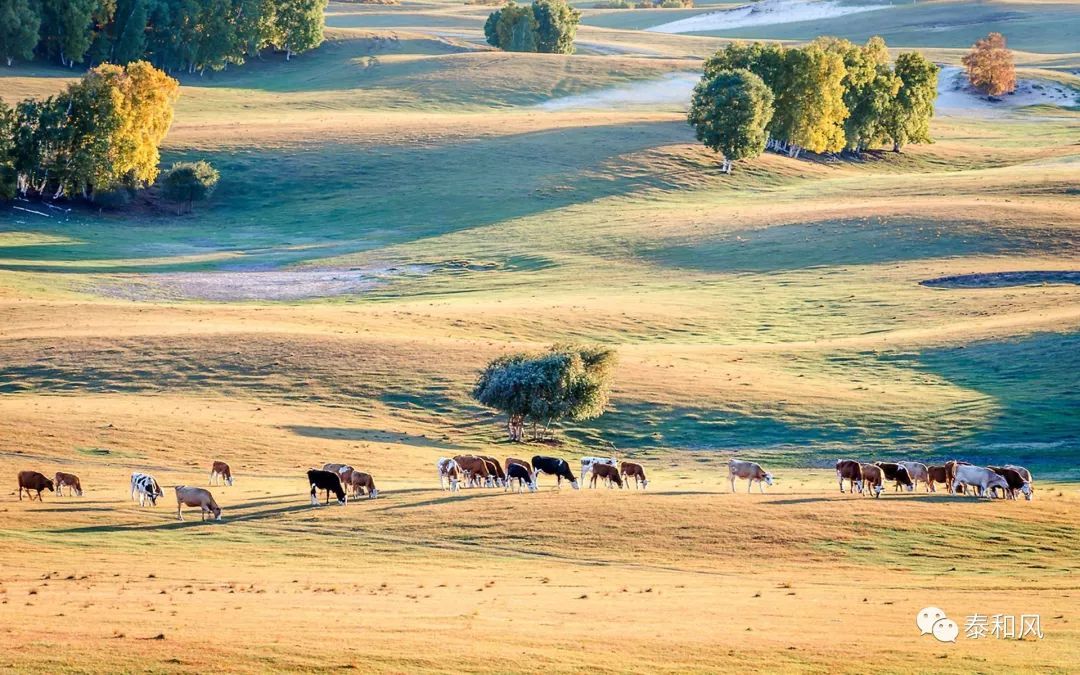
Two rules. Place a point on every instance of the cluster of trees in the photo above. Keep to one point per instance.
(990, 67)
(828, 96)
(546, 26)
(564, 383)
(174, 35)
(100, 135)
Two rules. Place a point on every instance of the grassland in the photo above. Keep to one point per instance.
(776, 313)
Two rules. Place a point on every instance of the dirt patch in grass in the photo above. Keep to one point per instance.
(226, 286)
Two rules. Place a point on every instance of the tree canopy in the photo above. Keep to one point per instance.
(102, 132)
(565, 383)
(188, 182)
(546, 26)
(192, 35)
(833, 95)
(990, 67)
(729, 113)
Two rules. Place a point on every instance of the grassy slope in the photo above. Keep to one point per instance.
(775, 312)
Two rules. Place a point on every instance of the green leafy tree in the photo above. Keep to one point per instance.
(188, 182)
(814, 100)
(298, 25)
(8, 175)
(730, 112)
(19, 25)
(907, 118)
(565, 383)
(557, 24)
(67, 28)
(130, 30)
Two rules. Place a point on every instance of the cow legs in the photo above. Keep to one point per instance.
(733, 485)
(838, 477)
(179, 514)
(761, 487)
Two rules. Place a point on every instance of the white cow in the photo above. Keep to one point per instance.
(750, 471)
(979, 478)
(587, 464)
(450, 471)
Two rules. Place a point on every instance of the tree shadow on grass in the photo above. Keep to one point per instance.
(372, 435)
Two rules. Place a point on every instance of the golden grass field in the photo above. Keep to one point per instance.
(775, 314)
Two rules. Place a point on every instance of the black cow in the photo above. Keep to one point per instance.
(556, 467)
(898, 473)
(1015, 480)
(326, 480)
(519, 472)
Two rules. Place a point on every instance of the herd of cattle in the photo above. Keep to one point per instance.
(957, 476)
(343, 481)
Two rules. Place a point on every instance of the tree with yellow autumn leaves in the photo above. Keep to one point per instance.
(990, 67)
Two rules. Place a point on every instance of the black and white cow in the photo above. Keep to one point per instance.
(146, 487)
(522, 475)
(329, 481)
(554, 466)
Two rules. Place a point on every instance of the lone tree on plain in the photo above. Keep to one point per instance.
(188, 182)
(990, 67)
(730, 112)
(564, 383)
(545, 26)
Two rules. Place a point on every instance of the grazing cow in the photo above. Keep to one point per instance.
(982, 479)
(521, 473)
(32, 480)
(555, 466)
(363, 483)
(737, 468)
(343, 471)
(515, 460)
(587, 463)
(220, 470)
(450, 472)
(950, 472)
(146, 487)
(475, 469)
(918, 472)
(873, 479)
(608, 473)
(898, 473)
(634, 469)
(850, 470)
(71, 481)
(495, 468)
(1015, 480)
(329, 481)
(196, 496)
(1025, 474)
(937, 474)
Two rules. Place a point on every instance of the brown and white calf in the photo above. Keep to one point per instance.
(32, 480)
(449, 473)
(69, 480)
(196, 496)
(607, 473)
(750, 472)
(851, 471)
(495, 468)
(343, 471)
(628, 469)
(363, 483)
(873, 479)
(220, 471)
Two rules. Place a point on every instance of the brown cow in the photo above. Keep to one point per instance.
(220, 470)
(515, 460)
(606, 472)
(475, 469)
(628, 469)
(196, 496)
(500, 475)
(937, 474)
(32, 480)
(70, 480)
(850, 470)
(873, 479)
(1025, 474)
(363, 482)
